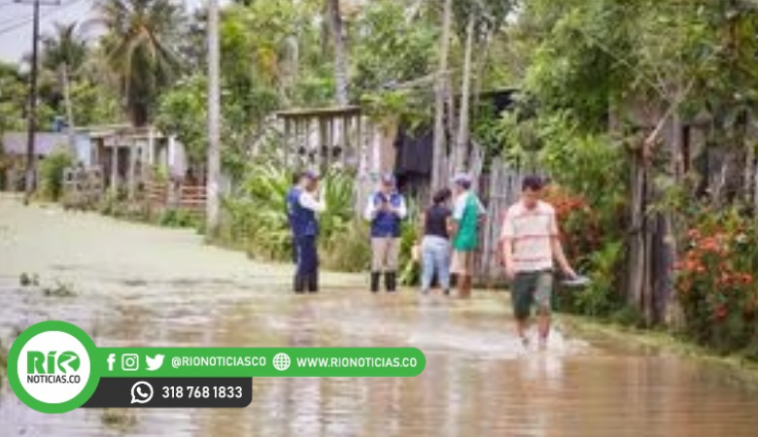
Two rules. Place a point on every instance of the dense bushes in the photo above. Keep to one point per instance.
(716, 283)
(257, 220)
(51, 174)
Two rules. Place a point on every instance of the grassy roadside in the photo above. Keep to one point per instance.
(737, 366)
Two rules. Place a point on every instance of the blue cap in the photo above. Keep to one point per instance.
(309, 174)
(388, 179)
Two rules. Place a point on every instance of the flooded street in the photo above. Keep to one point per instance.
(137, 285)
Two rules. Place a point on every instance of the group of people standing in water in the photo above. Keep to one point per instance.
(449, 235)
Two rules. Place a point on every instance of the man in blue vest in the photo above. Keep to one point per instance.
(303, 202)
(385, 210)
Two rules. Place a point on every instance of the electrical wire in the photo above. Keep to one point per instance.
(42, 15)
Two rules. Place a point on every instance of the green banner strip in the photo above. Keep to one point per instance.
(259, 362)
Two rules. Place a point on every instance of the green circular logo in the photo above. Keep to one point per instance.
(50, 367)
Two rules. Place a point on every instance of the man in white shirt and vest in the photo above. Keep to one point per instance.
(304, 203)
(530, 243)
(385, 210)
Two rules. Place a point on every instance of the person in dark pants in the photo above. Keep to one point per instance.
(385, 210)
(296, 181)
(303, 203)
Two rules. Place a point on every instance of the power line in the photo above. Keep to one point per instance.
(17, 19)
(26, 21)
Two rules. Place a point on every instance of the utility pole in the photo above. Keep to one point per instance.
(69, 109)
(32, 109)
(213, 203)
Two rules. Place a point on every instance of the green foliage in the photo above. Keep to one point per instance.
(257, 215)
(404, 106)
(179, 218)
(350, 250)
(94, 103)
(394, 46)
(716, 283)
(66, 45)
(410, 270)
(51, 173)
(182, 111)
(602, 296)
(141, 49)
(12, 98)
(576, 48)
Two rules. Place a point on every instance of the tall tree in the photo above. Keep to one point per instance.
(139, 45)
(440, 92)
(336, 28)
(213, 182)
(65, 45)
(477, 20)
(64, 52)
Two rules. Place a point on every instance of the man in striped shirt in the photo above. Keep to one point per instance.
(530, 243)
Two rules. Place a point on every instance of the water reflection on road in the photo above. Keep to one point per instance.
(141, 286)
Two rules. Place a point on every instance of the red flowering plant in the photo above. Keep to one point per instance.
(591, 238)
(716, 281)
(578, 226)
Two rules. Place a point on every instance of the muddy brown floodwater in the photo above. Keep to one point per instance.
(136, 285)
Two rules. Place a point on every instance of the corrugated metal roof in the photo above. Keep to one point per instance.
(14, 143)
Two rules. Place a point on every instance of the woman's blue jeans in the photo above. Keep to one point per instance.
(435, 258)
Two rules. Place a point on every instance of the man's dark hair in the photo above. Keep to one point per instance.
(442, 195)
(532, 183)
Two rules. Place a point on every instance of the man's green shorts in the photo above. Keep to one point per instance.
(530, 288)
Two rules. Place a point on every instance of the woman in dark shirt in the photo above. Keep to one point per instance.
(435, 246)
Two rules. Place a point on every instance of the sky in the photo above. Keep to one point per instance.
(16, 21)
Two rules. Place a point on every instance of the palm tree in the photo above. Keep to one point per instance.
(139, 46)
(65, 46)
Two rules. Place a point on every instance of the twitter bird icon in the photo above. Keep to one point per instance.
(154, 363)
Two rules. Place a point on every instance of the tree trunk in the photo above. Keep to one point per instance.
(213, 201)
(69, 109)
(461, 146)
(439, 152)
(481, 65)
(666, 305)
(132, 182)
(340, 55)
(290, 68)
(114, 169)
(636, 270)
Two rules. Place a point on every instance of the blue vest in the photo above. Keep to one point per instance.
(386, 224)
(302, 220)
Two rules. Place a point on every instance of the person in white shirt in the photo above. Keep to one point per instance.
(303, 203)
(385, 209)
(530, 243)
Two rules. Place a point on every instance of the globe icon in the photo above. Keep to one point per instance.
(281, 362)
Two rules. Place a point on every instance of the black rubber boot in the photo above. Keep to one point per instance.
(313, 283)
(299, 285)
(390, 281)
(375, 277)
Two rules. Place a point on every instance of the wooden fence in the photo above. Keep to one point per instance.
(167, 195)
(82, 188)
(498, 190)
